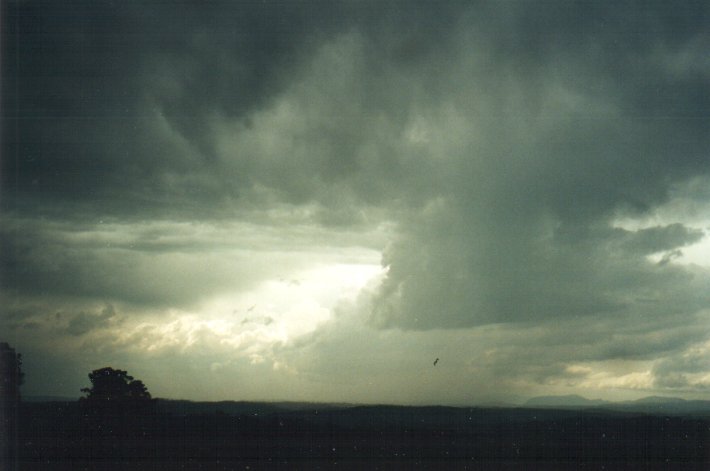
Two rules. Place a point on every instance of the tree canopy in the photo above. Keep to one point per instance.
(110, 386)
(11, 375)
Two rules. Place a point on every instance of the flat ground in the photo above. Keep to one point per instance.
(56, 436)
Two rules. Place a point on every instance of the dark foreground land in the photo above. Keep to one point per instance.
(230, 436)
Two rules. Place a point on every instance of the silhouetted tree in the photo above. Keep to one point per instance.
(10, 371)
(116, 405)
(114, 388)
(11, 377)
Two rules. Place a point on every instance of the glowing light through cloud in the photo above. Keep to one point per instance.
(248, 323)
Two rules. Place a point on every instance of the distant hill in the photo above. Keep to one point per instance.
(647, 405)
(185, 407)
(49, 399)
(571, 400)
(659, 400)
(652, 405)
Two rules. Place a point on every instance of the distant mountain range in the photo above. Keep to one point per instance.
(571, 400)
(650, 404)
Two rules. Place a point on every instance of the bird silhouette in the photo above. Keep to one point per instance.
(436, 361)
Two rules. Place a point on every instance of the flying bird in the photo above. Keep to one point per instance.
(436, 361)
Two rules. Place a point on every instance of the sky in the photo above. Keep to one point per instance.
(315, 200)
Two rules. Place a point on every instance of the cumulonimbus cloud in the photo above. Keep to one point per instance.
(503, 145)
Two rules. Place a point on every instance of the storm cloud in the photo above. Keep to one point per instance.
(528, 182)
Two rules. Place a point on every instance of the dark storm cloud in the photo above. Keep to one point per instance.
(569, 138)
(82, 95)
(505, 142)
(113, 103)
(577, 109)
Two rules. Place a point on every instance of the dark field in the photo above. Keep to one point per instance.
(181, 435)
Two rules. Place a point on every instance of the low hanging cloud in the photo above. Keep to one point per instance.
(84, 323)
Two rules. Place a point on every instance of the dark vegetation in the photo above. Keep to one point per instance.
(11, 377)
(117, 425)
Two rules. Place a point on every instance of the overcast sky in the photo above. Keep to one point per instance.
(302, 200)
